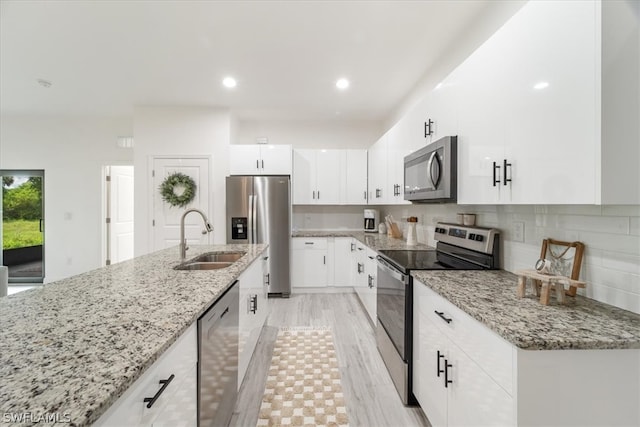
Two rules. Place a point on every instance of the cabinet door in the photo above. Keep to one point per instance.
(481, 137)
(474, 398)
(342, 261)
(251, 291)
(244, 160)
(304, 177)
(309, 262)
(275, 159)
(370, 294)
(182, 410)
(551, 124)
(355, 182)
(429, 349)
(377, 171)
(328, 176)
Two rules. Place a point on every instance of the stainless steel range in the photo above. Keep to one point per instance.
(458, 248)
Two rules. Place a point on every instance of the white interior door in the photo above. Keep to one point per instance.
(121, 214)
(166, 218)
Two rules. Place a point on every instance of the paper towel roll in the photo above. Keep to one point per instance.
(4, 280)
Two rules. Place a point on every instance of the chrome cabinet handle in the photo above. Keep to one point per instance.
(447, 381)
(427, 128)
(439, 356)
(495, 167)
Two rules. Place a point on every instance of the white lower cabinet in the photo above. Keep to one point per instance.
(309, 262)
(464, 374)
(254, 308)
(342, 254)
(368, 293)
(172, 379)
(452, 389)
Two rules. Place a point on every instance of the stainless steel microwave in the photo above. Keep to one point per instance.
(431, 173)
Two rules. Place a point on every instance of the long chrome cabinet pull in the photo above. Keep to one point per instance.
(439, 356)
(447, 381)
(504, 172)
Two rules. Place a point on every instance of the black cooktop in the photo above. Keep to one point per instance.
(429, 259)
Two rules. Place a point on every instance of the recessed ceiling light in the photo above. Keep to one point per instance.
(229, 82)
(342, 84)
(541, 85)
(44, 83)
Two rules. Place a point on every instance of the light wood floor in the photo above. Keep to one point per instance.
(372, 400)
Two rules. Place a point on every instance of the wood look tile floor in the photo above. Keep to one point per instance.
(372, 400)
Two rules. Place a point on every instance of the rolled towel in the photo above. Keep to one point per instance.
(4, 280)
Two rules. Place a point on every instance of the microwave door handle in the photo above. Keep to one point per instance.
(434, 161)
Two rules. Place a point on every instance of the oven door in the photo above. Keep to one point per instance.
(392, 303)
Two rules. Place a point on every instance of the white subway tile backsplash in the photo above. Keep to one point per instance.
(611, 266)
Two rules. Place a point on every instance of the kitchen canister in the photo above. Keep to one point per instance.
(469, 219)
(412, 235)
(382, 229)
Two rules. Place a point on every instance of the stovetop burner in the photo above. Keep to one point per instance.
(425, 259)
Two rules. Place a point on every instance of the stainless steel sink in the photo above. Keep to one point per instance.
(195, 265)
(211, 261)
(219, 257)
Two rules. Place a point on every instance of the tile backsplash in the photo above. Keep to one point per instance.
(611, 234)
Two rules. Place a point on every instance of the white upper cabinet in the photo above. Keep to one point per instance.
(538, 108)
(355, 182)
(377, 173)
(316, 177)
(260, 159)
(329, 177)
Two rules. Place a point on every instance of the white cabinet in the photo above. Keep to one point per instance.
(342, 254)
(309, 262)
(316, 177)
(540, 108)
(329, 177)
(464, 374)
(260, 159)
(368, 293)
(253, 310)
(354, 184)
(452, 388)
(377, 173)
(177, 365)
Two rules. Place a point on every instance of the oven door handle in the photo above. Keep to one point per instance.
(389, 269)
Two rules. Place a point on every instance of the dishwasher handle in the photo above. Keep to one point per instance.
(391, 271)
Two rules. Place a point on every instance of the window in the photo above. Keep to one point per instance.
(23, 225)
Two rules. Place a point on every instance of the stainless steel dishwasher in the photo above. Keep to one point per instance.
(218, 360)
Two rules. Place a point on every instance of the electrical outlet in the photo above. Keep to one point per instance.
(517, 231)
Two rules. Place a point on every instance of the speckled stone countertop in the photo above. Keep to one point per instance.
(74, 346)
(374, 241)
(490, 297)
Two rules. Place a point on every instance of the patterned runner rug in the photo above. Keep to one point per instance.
(303, 384)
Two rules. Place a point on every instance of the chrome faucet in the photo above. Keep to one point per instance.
(183, 240)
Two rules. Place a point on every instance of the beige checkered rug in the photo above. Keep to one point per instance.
(303, 384)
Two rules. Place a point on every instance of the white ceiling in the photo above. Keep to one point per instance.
(104, 57)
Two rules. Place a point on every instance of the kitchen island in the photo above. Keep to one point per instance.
(73, 347)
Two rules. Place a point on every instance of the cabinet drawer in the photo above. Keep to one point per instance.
(490, 351)
(309, 243)
(179, 360)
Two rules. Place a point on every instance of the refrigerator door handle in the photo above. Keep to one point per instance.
(254, 220)
(250, 219)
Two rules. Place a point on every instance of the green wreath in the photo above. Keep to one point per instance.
(168, 187)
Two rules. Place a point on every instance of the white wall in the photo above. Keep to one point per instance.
(311, 134)
(72, 151)
(611, 266)
(180, 131)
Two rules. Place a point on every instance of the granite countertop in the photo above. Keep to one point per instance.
(490, 297)
(374, 241)
(74, 346)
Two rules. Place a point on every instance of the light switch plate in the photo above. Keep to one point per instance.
(517, 231)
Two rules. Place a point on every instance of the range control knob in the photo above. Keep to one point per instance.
(440, 230)
(479, 237)
(472, 236)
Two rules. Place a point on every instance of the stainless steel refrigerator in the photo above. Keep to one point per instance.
(259, 211)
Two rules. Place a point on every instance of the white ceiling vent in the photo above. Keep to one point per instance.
(125, 142)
